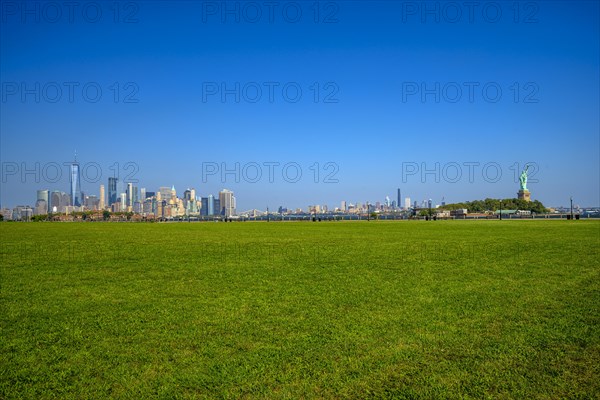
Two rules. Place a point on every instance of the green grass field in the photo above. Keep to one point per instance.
(409, 309)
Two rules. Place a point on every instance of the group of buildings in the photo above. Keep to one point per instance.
(163, 203)
(124, 198)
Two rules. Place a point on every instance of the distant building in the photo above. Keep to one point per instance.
(442, 214)
(216, 209)
(123, 202)
(41, 207)
(55, 200)
(204, 206)
(165, 193)
(113, 196)
(129, 194)
(91, 202)
(101, 202)
(211, 205)
(514, 212)
(22, 213)
(461, 212)
(227, 203)
(58, 201)
(138, 207)
(75, 180)
(45, 196)
(6, 214)
(149, 206)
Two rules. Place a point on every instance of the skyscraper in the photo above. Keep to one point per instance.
(129, 192)
(399, 200)
(216, 208)
(227, 203)
(45, 196)
(75, 183)
(165, 193)
(204, 207)
(211, 205)
(112, 191)
(101, 203)
(41, 207)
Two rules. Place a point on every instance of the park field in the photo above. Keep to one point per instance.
(406, 309)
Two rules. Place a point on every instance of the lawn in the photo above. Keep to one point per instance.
(406, 309)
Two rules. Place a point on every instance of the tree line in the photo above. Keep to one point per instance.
(479, 206)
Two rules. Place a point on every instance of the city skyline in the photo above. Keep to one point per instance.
(128, 193)
(164, 203)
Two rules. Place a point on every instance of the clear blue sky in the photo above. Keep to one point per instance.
(371, 58)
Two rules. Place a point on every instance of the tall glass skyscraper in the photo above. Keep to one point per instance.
(75, 184)
(129, 192)
(211, 205)
(204, 207)
(112, 190)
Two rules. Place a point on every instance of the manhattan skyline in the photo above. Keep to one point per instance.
(360, 98)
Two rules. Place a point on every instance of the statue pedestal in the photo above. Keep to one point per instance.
(524, 195)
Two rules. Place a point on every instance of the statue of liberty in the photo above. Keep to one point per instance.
(523, 178)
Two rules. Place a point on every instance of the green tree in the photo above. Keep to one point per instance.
(494, 204)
